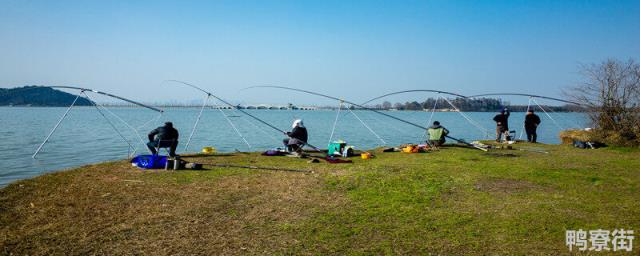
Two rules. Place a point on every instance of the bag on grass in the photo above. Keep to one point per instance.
(149, 161)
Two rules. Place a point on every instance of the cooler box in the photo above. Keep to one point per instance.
(336, 147)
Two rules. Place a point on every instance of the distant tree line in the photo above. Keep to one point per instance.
(469, 105)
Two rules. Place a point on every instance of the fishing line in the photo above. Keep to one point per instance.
(127, 124)
(407, 91)
(402, 132)
(245, 112)
(112, 125)
(82, 91)
(363, 107)
(554, 121)
(110, 95)
(523, 94)
(233, 126)
(482, 129)
(369, 128)
(152, 120)
(56, 126)
(433, 111)
(204, 104)
(525, 117)
(572, 122)
(257, 127)
(419, 90)
(333, 129)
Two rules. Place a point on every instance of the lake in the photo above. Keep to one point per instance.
(86, 137)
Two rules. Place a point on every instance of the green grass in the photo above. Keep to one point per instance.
(452, 201)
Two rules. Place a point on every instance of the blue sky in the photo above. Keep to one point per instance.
(353, 49)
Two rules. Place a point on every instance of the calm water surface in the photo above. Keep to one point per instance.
(86, 137)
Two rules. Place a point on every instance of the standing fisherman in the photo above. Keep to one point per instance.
(164, 137)
(531, 122)
(502, 124)
(297, 137)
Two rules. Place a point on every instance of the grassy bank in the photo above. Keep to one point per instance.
(452, 201)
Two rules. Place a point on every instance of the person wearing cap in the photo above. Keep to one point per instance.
(437, 134)
(297, 137)
(531, 122)
(163, 137)
(502, 123)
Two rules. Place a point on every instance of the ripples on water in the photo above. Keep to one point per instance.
(85, 137)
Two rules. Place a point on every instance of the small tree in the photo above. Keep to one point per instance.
(386, 105)
(611, 93)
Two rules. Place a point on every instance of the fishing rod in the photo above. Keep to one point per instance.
(241, 110)
(110, 95)
(439, 92)
(360, 106)
(209, 94)
(408, 91)
(525, 95)
(257, 168)
(82, 91)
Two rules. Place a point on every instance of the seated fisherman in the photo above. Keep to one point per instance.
(297, 137)
(163, 137)
(437, 134)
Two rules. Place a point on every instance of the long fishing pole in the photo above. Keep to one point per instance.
(526, 95)
(418, 90)
(82, 90)
(209, 94)
(360, 106)
(112, 126)
(241, 110)
(110, 95)
(193, 131)
(257, 168)
(408, 91)
(55, 127)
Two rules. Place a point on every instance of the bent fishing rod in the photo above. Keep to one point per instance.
(82, 91)
(110, 95)
(360, 106)
(417, 90)
(242, 111)
(204, 104)
(525, 95)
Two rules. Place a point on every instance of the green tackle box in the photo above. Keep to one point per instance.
(335, 148)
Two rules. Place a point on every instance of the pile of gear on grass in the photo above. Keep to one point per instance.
(297, 139)
(166, 137)
(583, 139)
(163, 137)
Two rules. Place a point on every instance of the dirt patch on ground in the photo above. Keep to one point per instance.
(506, 186)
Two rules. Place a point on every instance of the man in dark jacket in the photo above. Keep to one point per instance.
(297, 137)
(502, 123)
(164, 137)
(531, 122)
